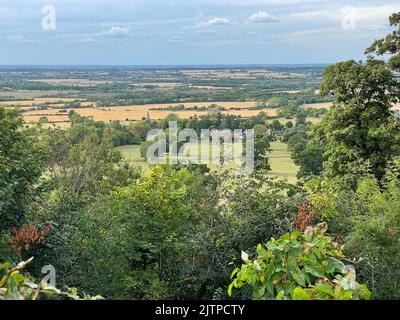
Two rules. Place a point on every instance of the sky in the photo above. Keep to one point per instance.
(189, 32)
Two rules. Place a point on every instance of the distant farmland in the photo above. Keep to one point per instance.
(322, 105)
(34, 102)
(138, 112)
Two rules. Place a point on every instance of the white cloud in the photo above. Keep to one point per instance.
(215, 22)
(115, 32)
(314, 16)
(262, 17)
(374, 15)
(365, 17)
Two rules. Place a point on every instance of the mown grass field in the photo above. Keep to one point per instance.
(281, 163)
(131, 155)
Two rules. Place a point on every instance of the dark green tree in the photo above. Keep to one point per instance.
(261, 148)
(22, 161)
(360, 131)
(390, 44)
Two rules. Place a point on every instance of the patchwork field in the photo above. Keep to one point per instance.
(71, 82)
(250, 74)
(138, 112)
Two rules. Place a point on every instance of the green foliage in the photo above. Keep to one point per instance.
(307, 152)
(360, 132)
(376, 237)
(367, 219)
(261, 148)
(170, 226)
(390, 44)
(143, 239)
(14, 285)
(300, 267)
(22, 161)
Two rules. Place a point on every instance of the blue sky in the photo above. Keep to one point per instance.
(179, 32)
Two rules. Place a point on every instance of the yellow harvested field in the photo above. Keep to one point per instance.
(138, 112)
(88, 104)
(36, 101)
(51, 118)
(19, 107)
(49, 112)
(132, 114)
(322, 105)
(250, 113)
(225, 104)
(59, 125)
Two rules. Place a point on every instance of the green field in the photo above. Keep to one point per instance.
(131, 154)
(310, 119)
(281, 163)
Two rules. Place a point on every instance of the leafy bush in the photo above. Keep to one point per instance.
(298, 266)
(367, 220)
(15, 285)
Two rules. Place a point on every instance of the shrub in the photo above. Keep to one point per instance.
(14, 285)
(300, 266)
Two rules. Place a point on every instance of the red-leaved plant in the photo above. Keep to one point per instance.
(27, 235)
(305, 217)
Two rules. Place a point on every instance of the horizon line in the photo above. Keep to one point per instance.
(167, 65)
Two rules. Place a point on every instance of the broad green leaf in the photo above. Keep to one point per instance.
(323, 288)
(300, 294)
(6, 266)
(280, 295)
(230, 289)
